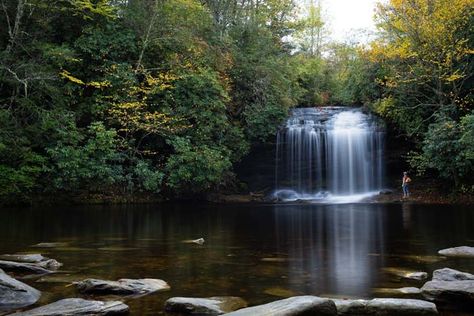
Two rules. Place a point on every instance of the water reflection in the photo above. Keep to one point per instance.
(258, 252)
(330, 247)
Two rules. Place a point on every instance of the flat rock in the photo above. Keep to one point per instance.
(293, 306)
(448, 274)
(386, 307)
(23, 267)
(15, 294)
(28, 258)
(217, 305)
(462, 251)
(122, 286)
(78, 306)
(457, 294)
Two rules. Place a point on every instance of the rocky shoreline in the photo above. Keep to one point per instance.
(448, 289)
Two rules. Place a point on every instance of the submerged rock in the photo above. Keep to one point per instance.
(416, 275)
(448, 274)
(78, 306)
(122, 286)
(293, 306)
(457, 294)
(399, 291)
(204, 306)
(50, 244)
(23, 267)
(386, 307)
(199, 241)
(462, 251)
(15, 294)
(50, 264)
(406, 274)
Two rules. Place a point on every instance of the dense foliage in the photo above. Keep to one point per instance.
(165, 96)
(118, 97)
(424, 70)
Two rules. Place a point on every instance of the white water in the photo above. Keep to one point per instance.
(330, 154)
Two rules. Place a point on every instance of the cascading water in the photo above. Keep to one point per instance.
(330, 152)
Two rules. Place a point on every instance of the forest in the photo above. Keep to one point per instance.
(164, 97)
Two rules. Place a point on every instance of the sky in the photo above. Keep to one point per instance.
(346, 16)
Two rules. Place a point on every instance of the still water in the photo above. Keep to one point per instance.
(258, 252)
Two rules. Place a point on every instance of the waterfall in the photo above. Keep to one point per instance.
(329, 152)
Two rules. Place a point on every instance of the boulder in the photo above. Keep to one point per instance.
(386, 307)
(457, 294)
(293, 306)
(448, 274)
(385, 192)
(462, 251)
(204, 306)
(15, 294)
(122, 286)
(78, 306)
(23, 267)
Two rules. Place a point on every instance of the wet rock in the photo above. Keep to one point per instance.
(462, 251)
(15, 294)
(293, 306)
(78, 306)
(386, 307)
(23, 267)
(122, 286)
(204, 306)
(456, 294)
(386, 192)
(28, 258)
(49, 264)
(33, 259)
(448, 274)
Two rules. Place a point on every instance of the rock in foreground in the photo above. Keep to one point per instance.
(15, 294)
(462, 251)
(456, 294)
(78, 306)
(122, 286)
(204, 306)
(448, 274)
(293, 306)
(386, 307)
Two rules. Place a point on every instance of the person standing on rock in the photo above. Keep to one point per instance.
(405, 182)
